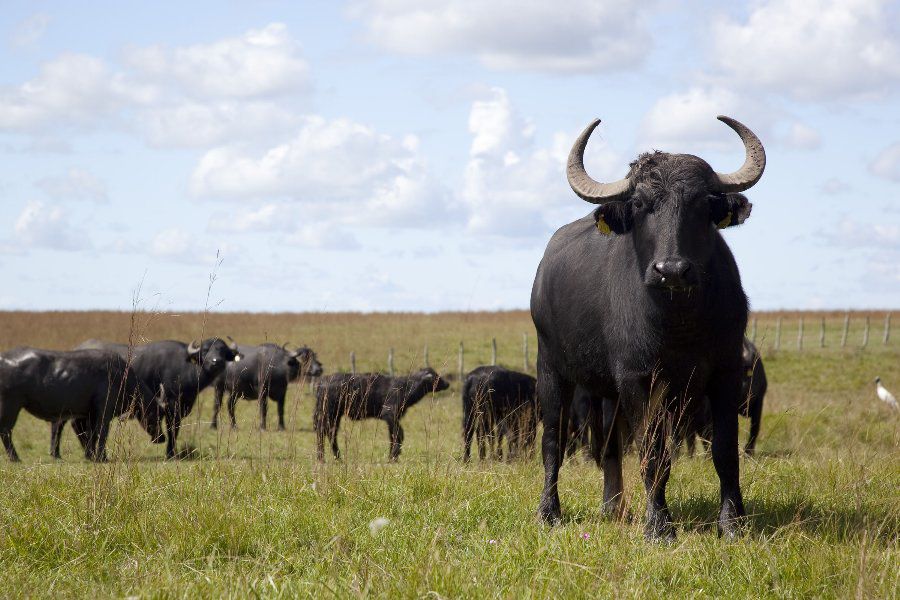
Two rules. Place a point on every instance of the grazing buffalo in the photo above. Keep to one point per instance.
(499, 403)
(640, 302)
(263, 372)
(88, 386)
(180, 371)
(369, 396)
(753, 391)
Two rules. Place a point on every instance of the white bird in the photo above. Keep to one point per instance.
(884, 395)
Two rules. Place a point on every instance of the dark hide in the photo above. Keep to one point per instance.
(649, 318)
(369, 396)
(263, 373)
(167, 366)
(753, 392)
(499, 403)
(89, 386)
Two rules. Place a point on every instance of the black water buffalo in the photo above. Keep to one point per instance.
(181, 371)
(499, 403)
(369, 396)
(88, 386)
(263, 372)
(641, 303)
(753, 392)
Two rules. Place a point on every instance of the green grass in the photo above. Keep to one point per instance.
(253, 514)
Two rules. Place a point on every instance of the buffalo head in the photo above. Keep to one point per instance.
(671, 205)
(303, 362)
(213, 353)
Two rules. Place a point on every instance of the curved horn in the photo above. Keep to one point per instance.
(582, 183)
(193, 348)
(291, 353)
(754, 163)
(232, 344)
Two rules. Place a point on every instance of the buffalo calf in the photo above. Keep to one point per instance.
(499, 403)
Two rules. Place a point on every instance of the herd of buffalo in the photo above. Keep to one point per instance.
(640, 317)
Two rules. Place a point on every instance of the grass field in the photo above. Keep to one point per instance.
(253, 514)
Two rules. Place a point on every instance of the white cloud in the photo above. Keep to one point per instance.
(575, 36)
(338, 169)
(72, 89)
(177, 245)
(260, 63)
(887, 163)
(686, 121)
(77, 184)
(199, 124)
(30, 31)
(512, 187)
(266, 218)
(47, 226)
(812, 49)
(834, 186)
(802, 137)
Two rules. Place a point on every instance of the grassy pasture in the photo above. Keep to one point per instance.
(252, 514)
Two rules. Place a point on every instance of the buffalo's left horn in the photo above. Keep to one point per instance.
(582, 183)
(193, 348)
(232, 344)
(754, 163)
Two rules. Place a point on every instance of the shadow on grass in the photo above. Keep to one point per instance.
(767, 517)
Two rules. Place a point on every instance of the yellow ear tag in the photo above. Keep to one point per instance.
(602, 226)
(725, 222)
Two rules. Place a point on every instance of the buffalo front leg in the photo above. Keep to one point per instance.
(56, 429)
(279, 403)
(217, 406)
(173, 424)
(755, 410)
(99, 433)
(724, 404)
(9, 412)
(232, 404)
(656, 465)
(555, 395)
(606, 447)
(263, 411)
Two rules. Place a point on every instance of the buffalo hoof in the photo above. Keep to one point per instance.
(731, 522)
(615, 510)
(549, 512)
(659, 527)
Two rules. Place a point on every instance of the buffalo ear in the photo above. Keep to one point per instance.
(728, 210)
(613, 217)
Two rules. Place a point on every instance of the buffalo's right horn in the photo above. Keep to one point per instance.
(582, 183)
(232, 344)
(193, 347)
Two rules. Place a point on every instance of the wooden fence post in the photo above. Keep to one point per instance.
(525, 351)
(459, 363)
(778, 333)
(391, 362)
(353, 363)
(494, 351)
(887, 329)
(800, 335)
(866, 333)
(846, 329)
(822, 333)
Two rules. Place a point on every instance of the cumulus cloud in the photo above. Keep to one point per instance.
(584, 36)
(72, 89)
(177, 245)
(43, 225)
(77, 184)
(511, 185)
(338, 169)
(887, 163)
(802, 137)
(834, 186)
(811, 49)
(259, 63)
(686, 121)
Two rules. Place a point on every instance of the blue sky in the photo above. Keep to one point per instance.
(408, 155)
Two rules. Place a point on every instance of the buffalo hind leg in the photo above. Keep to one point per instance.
(56, 429)
(217, 406)
(8, 416)
(279, 402)
(232, 404)
(556, 396)
(724, 404)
